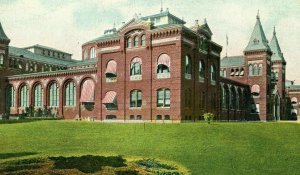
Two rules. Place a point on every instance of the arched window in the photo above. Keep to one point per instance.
(188, 65)
(1, 59)
(255, 90)
(24, 98)
(242, 72)
(213, 73)
(232, 98)
(224, 97)
(163, 66)
(136, 41)
(231, 72)
(163, 98)
(201, 69)
(111, 71)
(38, 96)
(88, 92)
(136, 66)
(250, 70)
(53, 95)
(294, 100)
(85, 54)
(128, 42)
(135, 98)
(10, 96)
(92, 53)
(110, 100)
(259, 69)
(70, 94)
(255, 69)
(143, 41)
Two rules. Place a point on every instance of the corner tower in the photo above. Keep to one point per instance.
(258, 64)
(4, 42)
(278, 70)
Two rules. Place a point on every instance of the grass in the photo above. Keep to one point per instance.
(219, 148)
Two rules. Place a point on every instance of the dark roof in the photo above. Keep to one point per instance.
(14, 51)
(258, 40)
(275, 48)
(45, 47)
(233, 61)
(294, 86)
(3, 36)
(84, 62)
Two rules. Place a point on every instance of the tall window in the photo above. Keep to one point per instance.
(163, 98)
(135, 98)
(136, 41)
(10, 96)
(213, 73)
(259, 69)
(224, 98)
(201, 69)
(111, 71)
(163, 66)
(188, 65)
(24, 99)
(70, 94)
(128, 41)
(53, 95)
(38, 96)
(143, 42)
(255, 69)
(250, 70)
(232, 98)
(135, 67)
(92, 53)
(110, 100)
(1, 59)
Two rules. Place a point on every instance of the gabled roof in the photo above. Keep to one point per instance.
(258, 40)
(275, 48)
(19, 52)
(3, 36)
(233, 61)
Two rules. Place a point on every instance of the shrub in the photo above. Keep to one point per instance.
(209, 117)
(151, 163)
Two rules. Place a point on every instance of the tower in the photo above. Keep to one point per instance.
(4, 42)
(278, 71)
(258, 64)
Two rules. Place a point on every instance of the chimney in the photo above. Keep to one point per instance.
(196, 22)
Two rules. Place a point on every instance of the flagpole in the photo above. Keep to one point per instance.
(226, 43)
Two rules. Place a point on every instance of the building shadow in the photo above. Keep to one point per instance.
(87, 163)
(13, 155)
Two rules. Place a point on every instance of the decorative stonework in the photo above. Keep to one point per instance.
(45, 82)
(78, 78)
(60, 80)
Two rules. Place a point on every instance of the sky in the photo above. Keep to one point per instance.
(67, 24)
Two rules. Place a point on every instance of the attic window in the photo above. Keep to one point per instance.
(256, 41)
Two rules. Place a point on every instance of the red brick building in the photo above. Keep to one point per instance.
(153, 68)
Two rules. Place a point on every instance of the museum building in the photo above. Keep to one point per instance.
(153, 68)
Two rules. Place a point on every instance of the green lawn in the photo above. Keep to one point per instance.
(220, 148)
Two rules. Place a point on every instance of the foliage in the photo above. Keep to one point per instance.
(208, 117)
(151, 163)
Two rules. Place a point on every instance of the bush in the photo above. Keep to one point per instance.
(209, 117)
(5, 116)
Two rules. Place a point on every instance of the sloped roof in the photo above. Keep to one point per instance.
(84, 62)
(275, 48)
(164, 13)
(232, 61)
(258, 40)
(46, 47)
(14, 51)
(3, 36)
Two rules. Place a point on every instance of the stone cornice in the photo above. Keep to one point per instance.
(53, 74)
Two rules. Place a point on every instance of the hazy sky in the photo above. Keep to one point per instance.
(67, 24)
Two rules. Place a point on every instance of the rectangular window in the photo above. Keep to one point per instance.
(158, 117)
(139, 117)
(131, 117)
(160, 98)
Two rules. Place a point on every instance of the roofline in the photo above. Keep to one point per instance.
(45, 47)
(50, 73)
